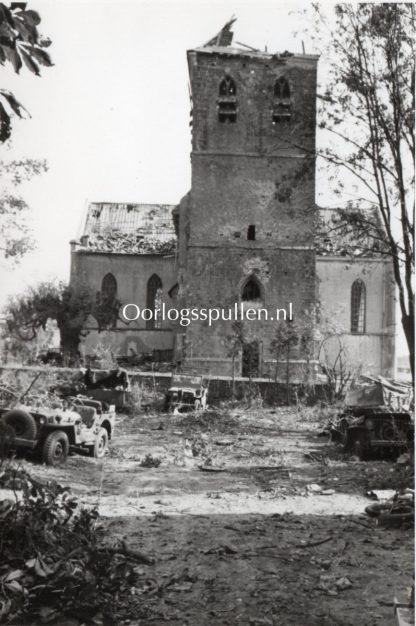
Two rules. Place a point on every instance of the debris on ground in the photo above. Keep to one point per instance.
(396, 511)
(55, 562)
(220, 532)
(404, 459)
(150, 461)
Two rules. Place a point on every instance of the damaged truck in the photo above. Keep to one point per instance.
(376, 419)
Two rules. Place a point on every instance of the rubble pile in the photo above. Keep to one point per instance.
(130, 243)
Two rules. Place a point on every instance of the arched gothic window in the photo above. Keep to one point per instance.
(281, 101)
(251, 291)
(154, 300)
(227, 101)
(108, 288)
(358, 303)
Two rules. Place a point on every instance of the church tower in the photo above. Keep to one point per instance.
(246, 227)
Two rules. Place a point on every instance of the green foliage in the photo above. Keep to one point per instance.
(53, 564)
(28, 313)
(20, 45)
(286, 334)
(367, 113)
(15, 234)
(106, 311)
(235, 340)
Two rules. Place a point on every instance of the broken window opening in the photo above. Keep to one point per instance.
(251, 291)
(358, 302)
(108, 288)
(227, 101)
(251, 232)
(281, 101)
(154, 301)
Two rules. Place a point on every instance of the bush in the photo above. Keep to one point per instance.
(53, 564)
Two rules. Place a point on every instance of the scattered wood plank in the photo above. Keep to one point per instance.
(209, 468)
(311, 544)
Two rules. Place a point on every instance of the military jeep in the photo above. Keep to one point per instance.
(52, 433)
(374, 422)
(186, 394)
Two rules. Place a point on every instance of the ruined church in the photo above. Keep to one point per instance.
(247, 232)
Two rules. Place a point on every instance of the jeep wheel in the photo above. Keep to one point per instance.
(391, 514)
(55, 448)
(101, 444)
(23, 423)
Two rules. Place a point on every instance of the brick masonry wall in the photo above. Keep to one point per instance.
(132, 273)
(252, 172)
(287, 277)
(255, 78)
(219, 389)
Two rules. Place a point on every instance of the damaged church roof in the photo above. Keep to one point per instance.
(350, 232)
(128, 228)
(121, 228)
(221, 43)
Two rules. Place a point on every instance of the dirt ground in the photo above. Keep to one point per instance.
(270, 531)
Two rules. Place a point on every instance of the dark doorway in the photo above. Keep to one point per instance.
(251, 360)
(251, 291)
(251, 232)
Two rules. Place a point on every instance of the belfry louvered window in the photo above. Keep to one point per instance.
(281, 101)
(227, 100)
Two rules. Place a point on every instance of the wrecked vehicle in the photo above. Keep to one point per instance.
(111, 386)
(51, 357)
(52, 433)
(185, 394)
(375, 419)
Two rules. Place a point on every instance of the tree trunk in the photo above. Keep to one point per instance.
(409, 333)
(70, 338)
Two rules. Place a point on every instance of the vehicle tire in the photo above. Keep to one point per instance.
(389, 515)
(374, 510)
(55, 448)
(22, 422)
(100, 446)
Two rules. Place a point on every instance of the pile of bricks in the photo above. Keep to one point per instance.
(130, 243)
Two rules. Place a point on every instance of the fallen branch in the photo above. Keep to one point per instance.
(311, 544)
(134, 554)
(30, 386)
(356, 521)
